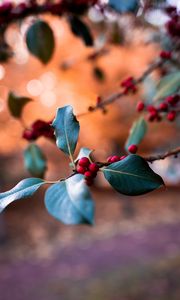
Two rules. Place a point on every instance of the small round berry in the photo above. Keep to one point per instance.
(163, 106)
(140, 106)
(80, 170)
(151, 108)
(84, 162)
(170, 100)
(109, 158)
(132, 149)
(165, 54)
(171, 116)
(29, 135)
(93, 167)
(88, 174)
(115, 158)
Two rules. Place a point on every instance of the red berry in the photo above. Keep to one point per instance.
(109, 158)
(163, 106)
(80, 170)
(93, 167)
(132, 149)
(84, 162)
(151, 108)
(165, 54)
(115, 158)
(29, 135)
(170, 100)
(171, 116)
(88, 174)
(140, 106)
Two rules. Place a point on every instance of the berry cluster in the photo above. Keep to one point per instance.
(173, 25)
(165, 54)
(88, 169)
(114, 158)
(129, 85)
(9, 11)
(165, 108)
(39, 128)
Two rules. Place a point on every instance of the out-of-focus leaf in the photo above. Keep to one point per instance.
(137, 132)
(40, 41)
(99, 74)
(80, 29)
(124, 6)
(35, 161)
(168, 85)
(16, 104)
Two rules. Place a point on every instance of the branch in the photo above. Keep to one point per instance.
(116, 96)
(173, 152)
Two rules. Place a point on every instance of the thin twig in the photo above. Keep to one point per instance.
(173, 152)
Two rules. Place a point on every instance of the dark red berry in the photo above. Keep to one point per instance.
(151, 108)
(163, 106)
(170, 100)
(88, 174)
(89, 182)
(165, 54)
(132, 149)
(171, 116)
(81, 170)
(29, 135)
(84, 162)
(93, 167)
(140, 106)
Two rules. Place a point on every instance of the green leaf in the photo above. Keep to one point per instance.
(80, 29)
(149, 89)
(66, 130)
(40, 41)
(168, 85)
(137, 132)
(132, 176)
(23, 189)
(16, 104)
(35, 161)
(124, 6)
(70, 201)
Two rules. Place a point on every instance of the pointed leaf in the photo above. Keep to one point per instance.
(23, 189)
(35, 161)
(168, 85)
(66, 130)
(40, 41)
(16, 104)
(137, 132)
(70, 201)
(124, 6)
(80, 29)
(84, 152)
(132, 176)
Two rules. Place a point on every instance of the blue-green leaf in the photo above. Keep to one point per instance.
(40, 41)
(132, 176)
(70, 201)
(16, 104)
(35, 160)
(137, 132)
(168, 85)
(84, 152)
(124, 6)
(23, 189)
(66, 130)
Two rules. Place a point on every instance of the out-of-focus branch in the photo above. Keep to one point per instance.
(173, 152)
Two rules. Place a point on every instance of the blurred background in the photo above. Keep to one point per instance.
(133, 251)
